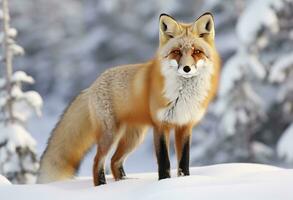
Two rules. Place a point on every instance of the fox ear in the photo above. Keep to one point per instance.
(168, 27)
(204, 26)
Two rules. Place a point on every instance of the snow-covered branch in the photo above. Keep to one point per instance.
(18, 161)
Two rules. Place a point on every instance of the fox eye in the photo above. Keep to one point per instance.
(176, 52)
(197, 52)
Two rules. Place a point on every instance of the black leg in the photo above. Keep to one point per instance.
(183, 169)
(162, 153)
(101, 177)
(163, 159)
(121, 172)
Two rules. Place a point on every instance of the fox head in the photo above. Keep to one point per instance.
(186, 49)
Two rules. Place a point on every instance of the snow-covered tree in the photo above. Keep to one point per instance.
(251, 110)
(281, 74)
(18, 161)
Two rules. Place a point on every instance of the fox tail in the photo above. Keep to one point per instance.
(71, 139)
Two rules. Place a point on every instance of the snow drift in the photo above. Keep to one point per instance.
(225, 181)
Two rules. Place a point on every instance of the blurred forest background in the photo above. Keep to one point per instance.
(69, 43)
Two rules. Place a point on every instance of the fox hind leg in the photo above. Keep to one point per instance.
(99, 162)
(132, 137)
(105, 142)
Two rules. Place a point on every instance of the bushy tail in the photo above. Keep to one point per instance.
(72, 137)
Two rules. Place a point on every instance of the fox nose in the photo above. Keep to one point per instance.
(186, 69)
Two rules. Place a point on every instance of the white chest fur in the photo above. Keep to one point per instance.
(185, 95)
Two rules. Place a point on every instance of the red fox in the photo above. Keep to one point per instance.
(171, 91)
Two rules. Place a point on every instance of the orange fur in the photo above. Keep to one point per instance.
(119, 105)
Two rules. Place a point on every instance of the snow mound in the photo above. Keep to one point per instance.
(225, 181)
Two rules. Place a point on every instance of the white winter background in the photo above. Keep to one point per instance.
(69, 43)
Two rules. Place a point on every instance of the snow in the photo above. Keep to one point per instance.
(2, 82)
(16, 136)
(21, 76)
(232, 72)
(3, 101)
(229, 122)
(17, 153)
(235, 69)
(252, 95)
(12, 32)
(284, 146)
(16, 140)
(4, 181)
(16, 92)
(25, 102)
(278, 72)
(261, 148)
(34, 100)
(221, 182)
(258, 14)
(257, 67)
